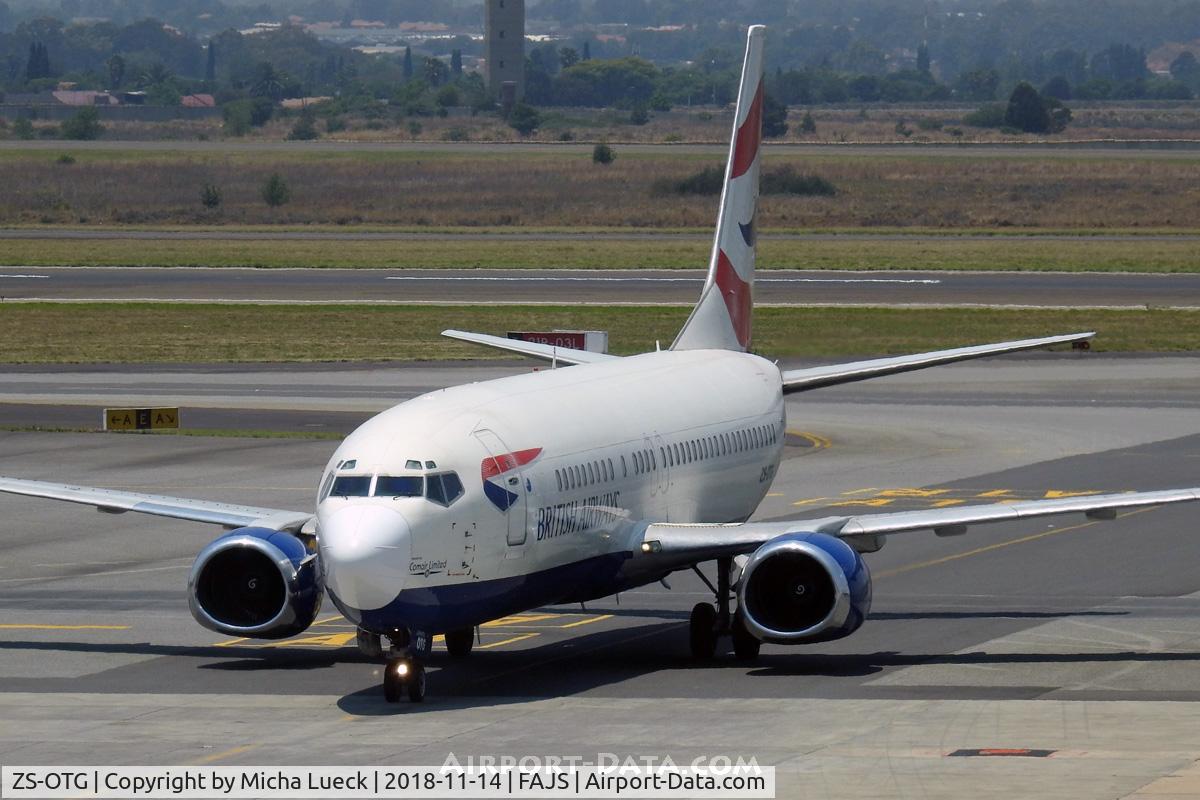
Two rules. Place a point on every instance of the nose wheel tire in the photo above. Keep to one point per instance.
(460, 642)
(404, 676)
(702, 631)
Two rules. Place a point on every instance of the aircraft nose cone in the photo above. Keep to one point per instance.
(365, 549)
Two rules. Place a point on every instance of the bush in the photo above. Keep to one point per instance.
(210, 196)
(65, 158)
(457, 135)
(22, 128)
(786, 180)
(414, 128)
(84, 125)
(639, 115)
(989, 115)
(236, 118)
(808, 124)
(603, 154)
(335, 125)
(929, 124)
(276, 192)
(524, 119)
(707, 181)
(566, 136)
(304, 129)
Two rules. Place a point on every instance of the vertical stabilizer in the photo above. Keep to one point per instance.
(721, 320)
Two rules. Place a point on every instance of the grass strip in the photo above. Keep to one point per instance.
(1000, 254)
(37, 333)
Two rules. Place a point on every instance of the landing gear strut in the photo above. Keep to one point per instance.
(708, 623)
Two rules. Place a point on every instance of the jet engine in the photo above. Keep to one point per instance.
(255, 582)
(802, 588)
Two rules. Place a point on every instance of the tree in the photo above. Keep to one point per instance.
(603, 154)
(923, 59)
(237, 117)
(408, 63)
(116, 71)
(38, 63)
(275, 192)
(210, 196)
(435, 71)
(587, 52)
(1186, 69)
(808, 124)
(774, 118)
(84, 125)
(210, 68)
(979, 84)
(268, 82)
(456, 63)
(1026, 111)
(524, 119)
(1057, 87)
(568, 57)
(639, 115)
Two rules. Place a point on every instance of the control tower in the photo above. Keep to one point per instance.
(504, 46)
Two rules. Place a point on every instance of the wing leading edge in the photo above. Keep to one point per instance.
(114, 501)
(801, 380)
(688, 544)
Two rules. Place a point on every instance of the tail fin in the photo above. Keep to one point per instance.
(721, 320)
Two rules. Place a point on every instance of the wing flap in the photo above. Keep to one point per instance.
(545, 352)
(115, 501)
(802, 380)
(677, 545)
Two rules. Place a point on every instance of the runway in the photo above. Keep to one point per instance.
(624, 287)
(1065, 635)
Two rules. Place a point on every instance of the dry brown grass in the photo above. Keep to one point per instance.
(563, 188)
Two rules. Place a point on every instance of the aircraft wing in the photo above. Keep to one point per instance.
(689, 544)
(546, 352)
(113, 501)
(801, 380)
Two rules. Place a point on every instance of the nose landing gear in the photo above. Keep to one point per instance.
(404, 675)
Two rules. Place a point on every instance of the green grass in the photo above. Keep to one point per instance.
(943, 253)
(153, 332)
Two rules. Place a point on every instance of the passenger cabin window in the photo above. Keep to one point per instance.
(351, 486)
(443, 489)
(399, 486)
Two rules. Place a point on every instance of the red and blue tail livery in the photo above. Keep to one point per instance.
(498, 472)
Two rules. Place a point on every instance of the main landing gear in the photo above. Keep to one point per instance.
(709, 623)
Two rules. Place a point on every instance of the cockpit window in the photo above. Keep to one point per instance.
(351, 486)
(444, 489)
(399, 486)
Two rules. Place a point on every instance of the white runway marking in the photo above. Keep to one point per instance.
(564, 279)
(26, 277)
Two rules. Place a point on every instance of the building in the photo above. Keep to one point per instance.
(504, 46)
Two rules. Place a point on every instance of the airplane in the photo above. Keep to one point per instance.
(475, 502)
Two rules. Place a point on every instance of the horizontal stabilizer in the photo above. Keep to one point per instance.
(801, 380)
(546, 352)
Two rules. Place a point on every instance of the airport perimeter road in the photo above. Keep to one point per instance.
(1077, 637)
(772, 287)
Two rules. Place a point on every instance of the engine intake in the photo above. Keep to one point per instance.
(804, 588)
(255, 582)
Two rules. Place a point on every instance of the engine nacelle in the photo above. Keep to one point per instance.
(255, 582)
(804, 587)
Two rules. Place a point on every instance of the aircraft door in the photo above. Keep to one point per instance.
(506, 485)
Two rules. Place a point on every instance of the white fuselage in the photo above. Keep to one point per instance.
(575, 457)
